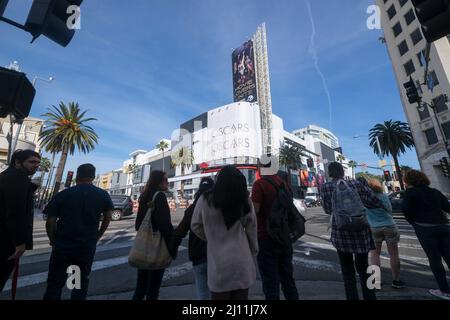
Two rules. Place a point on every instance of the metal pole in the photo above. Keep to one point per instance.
(379, 148)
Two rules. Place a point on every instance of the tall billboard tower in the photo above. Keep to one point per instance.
(251, 81)
(263, 86)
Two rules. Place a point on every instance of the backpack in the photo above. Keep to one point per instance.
(284, 223)
(348, 210)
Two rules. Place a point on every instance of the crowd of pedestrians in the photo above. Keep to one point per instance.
(230, 236)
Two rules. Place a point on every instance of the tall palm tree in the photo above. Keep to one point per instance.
(162, 146)
(352, 164)
(394, 137)
(44, 167)
(183, 158)
(65, 132)
(340, 158)
(290, 157)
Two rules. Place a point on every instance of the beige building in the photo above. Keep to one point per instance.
(28, 136)
(105, 181)
(405, 43)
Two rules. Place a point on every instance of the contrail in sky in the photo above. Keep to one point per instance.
(313, 51)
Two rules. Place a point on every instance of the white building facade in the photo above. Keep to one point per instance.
(405, 44)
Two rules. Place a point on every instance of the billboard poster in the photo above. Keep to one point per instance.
(312, 180)
(304, 178)
(244, 73)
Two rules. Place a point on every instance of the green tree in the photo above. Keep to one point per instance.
(66, 131)
(183, 157)
(290, 157)
(366, 175)
(352, 164)
(162, 146)
(44, 167)
(340, 158)
(394, 137)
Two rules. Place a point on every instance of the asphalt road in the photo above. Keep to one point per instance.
(316, 266)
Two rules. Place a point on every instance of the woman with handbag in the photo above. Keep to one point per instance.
(153, 218)
(224, 217)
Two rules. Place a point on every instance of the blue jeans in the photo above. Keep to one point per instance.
(201, 281)
(435, 241)
(275, 268)
(60, 260)
(148, 284)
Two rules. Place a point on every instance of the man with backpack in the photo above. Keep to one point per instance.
(275, 253)
(345, 201)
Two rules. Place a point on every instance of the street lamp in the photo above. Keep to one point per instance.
(378, 144)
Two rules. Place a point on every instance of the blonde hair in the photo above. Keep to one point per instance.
(375, 185)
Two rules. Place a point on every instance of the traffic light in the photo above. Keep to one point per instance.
(310, 163)
(50, 18)
(434, 16)
(411, 91)
(445, 166)
(387, 175)
(69, 179)
(16, 94)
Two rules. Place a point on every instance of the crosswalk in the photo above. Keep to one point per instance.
(312, 252)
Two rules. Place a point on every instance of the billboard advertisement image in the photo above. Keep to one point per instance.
(244, 73)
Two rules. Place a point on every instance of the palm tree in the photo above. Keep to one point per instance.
(352, 164)
(340, 158)
(44, 167)
(290, 157)
(394, 137)
(162, 146)
(183, 158)
(67, 130)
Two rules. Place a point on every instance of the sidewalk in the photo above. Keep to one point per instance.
(308, 290)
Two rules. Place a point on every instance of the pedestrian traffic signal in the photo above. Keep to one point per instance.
(434, 16)
(411, 91)
(16, 94)
(310, 163)
(52, 19)
(69, 179)
(387, 175)
(445, 166)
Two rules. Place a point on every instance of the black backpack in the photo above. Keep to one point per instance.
(284, 223)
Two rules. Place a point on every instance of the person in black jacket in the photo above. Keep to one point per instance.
(197, 247)
(16, 210)
(424, 208)
(149, 281)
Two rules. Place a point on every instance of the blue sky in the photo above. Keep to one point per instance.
(143, 67)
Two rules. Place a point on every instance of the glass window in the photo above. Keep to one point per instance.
(446, 128)
(420, 58)
(440, 104)
(138, 174)
(425, 114)
(416, 36)
(409, 68)
(433, 76)
(391, 12)
(402, 2)
(431, 136)
(410, 17)
(403, 48)
(397, 29)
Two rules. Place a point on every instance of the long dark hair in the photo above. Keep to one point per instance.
(156, 178)
(230, 195)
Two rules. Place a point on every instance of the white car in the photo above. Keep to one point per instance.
(300, 205)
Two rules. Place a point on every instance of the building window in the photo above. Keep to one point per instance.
(433, 77)
(397, 29)
(138, 174)
(391, 12)
(410, 17)
(409, 68)
(402, 2)
(440, 104)
(403, 48)
(431, 136)
(446, 128)
(420, 58)
(425, 114)
(416, 36)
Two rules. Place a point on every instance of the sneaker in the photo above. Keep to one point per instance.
(398, 284)
(438, 293)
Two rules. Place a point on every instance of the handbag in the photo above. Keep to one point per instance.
(149, 251)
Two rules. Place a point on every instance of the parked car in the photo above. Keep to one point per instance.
(396, 199)
(300, 205)
(123, 206)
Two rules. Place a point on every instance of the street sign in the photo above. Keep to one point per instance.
(382, 163)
